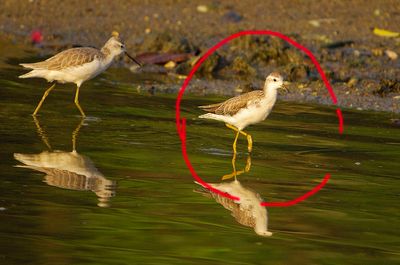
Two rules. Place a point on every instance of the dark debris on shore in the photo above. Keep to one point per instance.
(363, 69)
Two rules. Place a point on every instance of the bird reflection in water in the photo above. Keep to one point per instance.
(248, 210)
(68, 170)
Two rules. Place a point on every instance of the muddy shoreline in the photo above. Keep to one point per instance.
(360, 65)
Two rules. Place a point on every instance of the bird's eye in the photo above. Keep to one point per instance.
(274, 79)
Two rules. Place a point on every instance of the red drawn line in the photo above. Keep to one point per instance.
(340, 117)
(301, 198)
(181, 122)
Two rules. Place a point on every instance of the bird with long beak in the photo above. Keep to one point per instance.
(76, 65)
(246, 109)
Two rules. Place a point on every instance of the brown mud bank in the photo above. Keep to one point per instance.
(170, 36)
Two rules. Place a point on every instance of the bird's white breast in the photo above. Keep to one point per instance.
(85, 71)
(79, 74)
(254, 112)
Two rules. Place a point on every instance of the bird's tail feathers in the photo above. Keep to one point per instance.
(28, 75)
(209, 116)
(27, 65)
(210, 108)
(217, 117)
(36, 70)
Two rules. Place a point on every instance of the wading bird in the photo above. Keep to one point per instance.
(76, 65)
(246, 109)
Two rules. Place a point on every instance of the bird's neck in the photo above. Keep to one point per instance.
(105, 51)
(108, 56)
(270, 93)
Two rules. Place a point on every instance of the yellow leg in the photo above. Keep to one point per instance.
(46, 93)
(234, 142)
(248, 136)
(77, 102)
(249, 141)
(231, 127)
(236, 173)
(248, 164)
(75, 134)
(42, 133)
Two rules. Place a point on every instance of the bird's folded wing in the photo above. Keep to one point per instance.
(69, 58)
(233, 105)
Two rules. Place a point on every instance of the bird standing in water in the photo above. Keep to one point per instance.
(246, 109)
(76, 65)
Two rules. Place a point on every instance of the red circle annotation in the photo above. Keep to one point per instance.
(181, 122)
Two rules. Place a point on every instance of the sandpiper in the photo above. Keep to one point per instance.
(248, 210)
(246, 109)
(76, 65)
(68, 169)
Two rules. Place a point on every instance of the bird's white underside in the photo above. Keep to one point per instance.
(255, 112)
(77, 74)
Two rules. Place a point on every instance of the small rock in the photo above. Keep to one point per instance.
(202, 8)
(391, 54)
(134, 67)
(395, 122)
(232, 16)
(377, 52)
(357, 163)
(170, 65)
(352, 82)
(314, 23)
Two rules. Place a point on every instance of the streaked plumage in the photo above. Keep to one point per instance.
(246, 109)
(69, 170)
(76, 65)
(69, 58)
(247, 211)
(233, 105)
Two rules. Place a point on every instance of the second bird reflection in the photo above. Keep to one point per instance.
(68, 170)
(247, 211)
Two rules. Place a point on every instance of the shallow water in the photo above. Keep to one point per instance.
(126, 196)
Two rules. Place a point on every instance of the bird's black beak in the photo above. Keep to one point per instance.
(284, 87)
(133, 59)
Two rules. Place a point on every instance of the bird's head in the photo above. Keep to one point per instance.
(115, 47)
(274, 81)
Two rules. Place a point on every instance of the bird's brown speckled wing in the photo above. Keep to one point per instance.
(233, 105)
(243, 216)
(68, 58)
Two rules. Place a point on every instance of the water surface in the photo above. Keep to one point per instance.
(118, 191)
